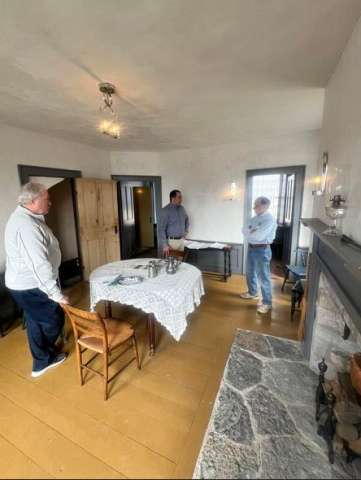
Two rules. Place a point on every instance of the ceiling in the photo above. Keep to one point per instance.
(189, 73)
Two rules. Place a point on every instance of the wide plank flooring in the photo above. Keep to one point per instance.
(153, 424)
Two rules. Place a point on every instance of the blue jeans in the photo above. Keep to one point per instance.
(258, 268)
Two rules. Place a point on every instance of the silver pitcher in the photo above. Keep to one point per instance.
(172, 265)
(152, 269)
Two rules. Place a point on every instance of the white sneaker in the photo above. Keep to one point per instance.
(248, 296)
(264, 308)
(57, 361)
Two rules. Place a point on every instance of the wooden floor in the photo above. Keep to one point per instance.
(153, 424)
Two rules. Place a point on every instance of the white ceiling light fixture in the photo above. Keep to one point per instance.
(108, 120)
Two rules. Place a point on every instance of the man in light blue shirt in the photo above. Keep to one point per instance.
(260, 232)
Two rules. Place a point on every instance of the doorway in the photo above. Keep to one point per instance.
(284, 187)
(140, 204)
(62, 218)
(143, 214)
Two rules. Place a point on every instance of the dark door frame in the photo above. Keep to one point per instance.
(156, 183)
(27, 171)
(300, 173)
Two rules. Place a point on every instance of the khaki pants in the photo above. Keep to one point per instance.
(176, 244)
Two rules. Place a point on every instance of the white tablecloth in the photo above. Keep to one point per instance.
(169, 297)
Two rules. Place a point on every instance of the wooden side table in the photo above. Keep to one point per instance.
(227, 268)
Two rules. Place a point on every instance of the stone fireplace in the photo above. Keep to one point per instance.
(329, 340)
(333, 321)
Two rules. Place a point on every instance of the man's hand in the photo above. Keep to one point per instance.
(64, 300)
(185, 235)
(165, 252)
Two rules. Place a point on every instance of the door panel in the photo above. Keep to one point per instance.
(129, 203)
(90, 200)
(128, 223)
(288, 216)
(111, 249)
(94, 253)
(107, 194)
(99, 223)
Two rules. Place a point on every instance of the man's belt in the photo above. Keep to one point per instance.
(174, 238)
(258, 245)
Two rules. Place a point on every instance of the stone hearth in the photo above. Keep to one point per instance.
(327, 339)
(263, 425)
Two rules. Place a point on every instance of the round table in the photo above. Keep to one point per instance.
(166, 298)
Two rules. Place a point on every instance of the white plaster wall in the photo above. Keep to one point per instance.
(341, 131)
(28, 148)
(204, 176)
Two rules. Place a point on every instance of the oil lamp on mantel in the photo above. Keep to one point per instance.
(338, 196)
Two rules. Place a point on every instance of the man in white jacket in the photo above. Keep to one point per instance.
(260, 232)
(32, 264)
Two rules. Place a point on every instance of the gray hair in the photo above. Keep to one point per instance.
(29, 192)
(265, 201)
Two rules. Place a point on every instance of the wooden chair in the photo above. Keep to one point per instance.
(103, 336)
(298, 271)
(182, 256)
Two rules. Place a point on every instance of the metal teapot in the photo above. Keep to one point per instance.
(152, 269)
(172, 265)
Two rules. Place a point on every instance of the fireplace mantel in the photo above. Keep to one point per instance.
(340, 263)
(349, 254)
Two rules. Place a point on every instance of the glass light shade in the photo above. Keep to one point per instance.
(338, 187)
(108, 123)
(338, 195)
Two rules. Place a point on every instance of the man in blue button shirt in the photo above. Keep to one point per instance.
(260, 232)
(173, 224)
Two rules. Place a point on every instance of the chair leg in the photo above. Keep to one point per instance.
(135, 348)
(79, 361)
(63, 336)
(285, 280)
(293, 305)
(105, 374)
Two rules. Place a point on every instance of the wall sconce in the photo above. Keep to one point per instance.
(108, 121)
(321, 181)
(233, 197)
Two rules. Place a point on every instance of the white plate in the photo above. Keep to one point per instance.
(127, 280)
